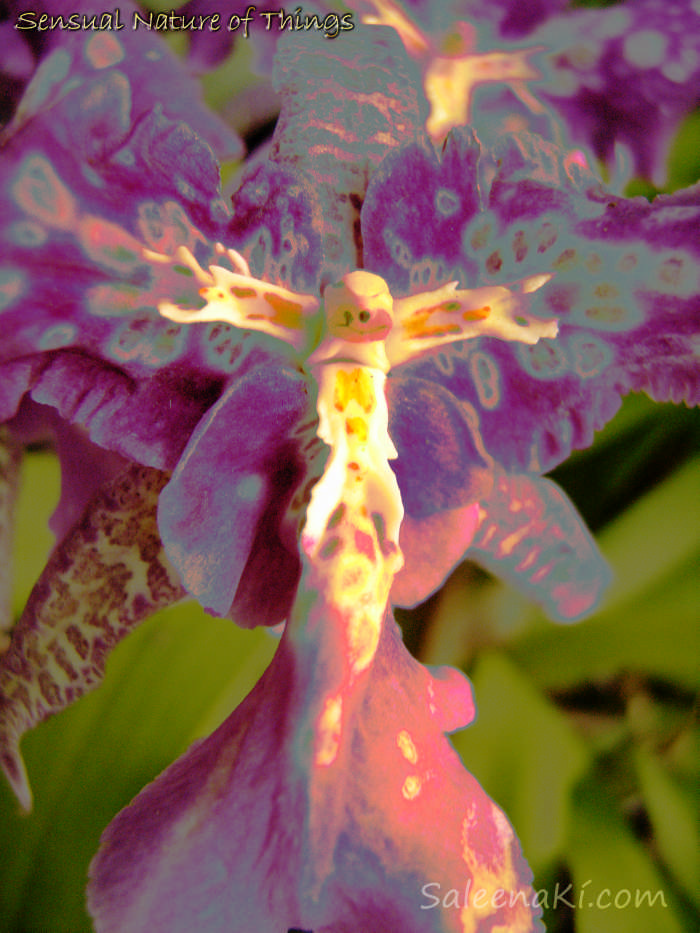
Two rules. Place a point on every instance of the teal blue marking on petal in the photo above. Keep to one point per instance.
(250, 488)
(544, 360)
(446, 202)
(589, 355)
(487, 379)
(51, 72)
(445, 363)
(12, 285)
(39, 191)
(27, 233)
(56, 337)
(93, 177)
(399, 250)
(114, 300)
(166, 226)
(223, 345)
(125, 157)
(151, 340)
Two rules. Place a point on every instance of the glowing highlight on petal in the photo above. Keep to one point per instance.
(104, 50)
(329, 731)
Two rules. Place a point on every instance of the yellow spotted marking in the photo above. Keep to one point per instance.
(671, 271)
(287, 313)
(357, 427)
(406, 746)
(627, 263)
(329, 731)
(477, 314)
(565, 260)
(411, 787)
(354, 386)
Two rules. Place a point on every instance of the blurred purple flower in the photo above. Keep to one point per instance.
(621, 78)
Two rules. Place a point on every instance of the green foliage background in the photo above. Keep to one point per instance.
(586, 734)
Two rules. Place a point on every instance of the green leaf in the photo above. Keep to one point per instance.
(616, 887)
(656, 534)
(40, 486)
(673, 812)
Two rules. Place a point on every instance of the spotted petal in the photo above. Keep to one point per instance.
(106, 577)
(106, 63)
(531, 534)
(623, 284)
(225, 838)
(617, 81)
(623, 78)
(78, 289)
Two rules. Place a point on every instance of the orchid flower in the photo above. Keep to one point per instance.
(621, 78)
(327, 398)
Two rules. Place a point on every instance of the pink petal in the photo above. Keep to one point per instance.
(252, 830)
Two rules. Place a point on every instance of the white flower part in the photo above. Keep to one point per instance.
(448, 315)
(354, 422)
(239, 299)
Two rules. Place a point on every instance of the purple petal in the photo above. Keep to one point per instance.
(85, 467)
(145, 420)
(432, 546)
(626, 75)
(106, 577)
(622, 286)
(415, 207)
(209, 47)
(441, 463)
(277, 224)
(79, 294)
(222, 516)
(514, 17)
(345, 104)
(531, 534)
(135, 58)
(228, 837)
